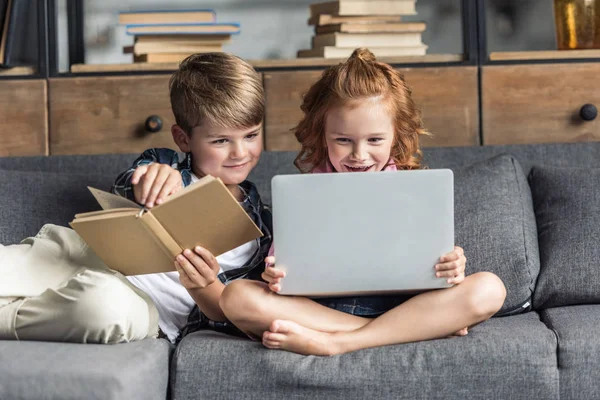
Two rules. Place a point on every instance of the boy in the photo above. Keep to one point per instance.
(218, 103)
(56, 289)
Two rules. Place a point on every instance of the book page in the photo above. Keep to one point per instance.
(108, 201)
(107, 213)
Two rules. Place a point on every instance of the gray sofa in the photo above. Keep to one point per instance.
(529, 213)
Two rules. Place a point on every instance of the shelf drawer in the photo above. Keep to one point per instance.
(446, 96)
(539, 103)
(95, 115)
(23, 111)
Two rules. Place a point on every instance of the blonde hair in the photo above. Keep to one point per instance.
(359, 77)
(216, 88)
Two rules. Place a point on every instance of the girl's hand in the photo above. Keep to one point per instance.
(452, 266)
(197, 269)
(272, 275)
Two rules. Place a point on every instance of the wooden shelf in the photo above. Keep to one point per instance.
(17, 71)
(544, 55)
(294, 62)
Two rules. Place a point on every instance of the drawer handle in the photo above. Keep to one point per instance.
(153, 123)
(588, 112)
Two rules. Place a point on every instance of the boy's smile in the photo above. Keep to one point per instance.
(359, 136)
(226, 153)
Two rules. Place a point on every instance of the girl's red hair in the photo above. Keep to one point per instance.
(361, 76)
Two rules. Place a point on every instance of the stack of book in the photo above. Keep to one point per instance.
(172, 35)
(343, 25)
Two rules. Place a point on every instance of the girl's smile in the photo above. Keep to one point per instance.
(359, 135)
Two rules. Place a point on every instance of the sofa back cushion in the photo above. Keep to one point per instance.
(31, 199)
(495, 224)
(567, 209)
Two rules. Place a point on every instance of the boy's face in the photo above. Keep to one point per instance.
(359, 136)
(226, 153)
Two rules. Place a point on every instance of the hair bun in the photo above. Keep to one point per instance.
(363, 54)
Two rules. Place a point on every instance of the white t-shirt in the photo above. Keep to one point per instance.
(172, 300)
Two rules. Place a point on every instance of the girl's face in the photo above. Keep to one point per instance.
(359, 136)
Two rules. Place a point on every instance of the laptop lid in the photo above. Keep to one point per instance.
(362, 233)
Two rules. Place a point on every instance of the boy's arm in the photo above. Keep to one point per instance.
(198, 270)
(123, 186)
(207, 300)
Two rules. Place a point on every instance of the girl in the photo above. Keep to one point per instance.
(360, 117)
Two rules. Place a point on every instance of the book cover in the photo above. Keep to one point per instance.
(183, 29)
(344, 52)
(184, 39)
(400, 27)
(166, 16)
(364, 7)
(367, 40)
(328, 19)
(140, 49)
(135, 241)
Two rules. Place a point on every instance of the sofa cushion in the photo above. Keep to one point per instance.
(495, 224)
(40, 370)
(578, 349)
(503, 358)
(567, 208)
(30, 199)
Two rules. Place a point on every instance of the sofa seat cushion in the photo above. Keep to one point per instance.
(495, 224)
(503, 358)
(567, 208)
(29, 199)
(578, 349)
(44, 370)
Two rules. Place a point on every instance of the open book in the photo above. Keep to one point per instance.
(134, 240)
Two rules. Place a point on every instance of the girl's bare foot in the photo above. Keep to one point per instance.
(462, 332)
(290, 336)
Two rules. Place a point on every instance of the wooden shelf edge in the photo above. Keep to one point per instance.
(316, 62)
(294, 62)
(17, 71)
(544, 55)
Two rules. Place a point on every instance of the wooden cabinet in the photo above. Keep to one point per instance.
(526, 103)
(23, 111)
(108, 114)
(446, 96)
(540, 103)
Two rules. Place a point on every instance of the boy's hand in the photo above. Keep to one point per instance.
(154, 182)
(272, 275)
(197, 269)
(452, 266)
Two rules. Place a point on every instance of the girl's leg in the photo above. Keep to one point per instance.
(252, 307)
(430, 315)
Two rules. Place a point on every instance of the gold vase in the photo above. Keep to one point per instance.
(577, 24)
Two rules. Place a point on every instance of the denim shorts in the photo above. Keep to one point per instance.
(364, 306)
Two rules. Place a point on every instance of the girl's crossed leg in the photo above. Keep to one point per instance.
(303, 326)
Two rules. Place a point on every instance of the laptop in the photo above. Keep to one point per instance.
(341, 234)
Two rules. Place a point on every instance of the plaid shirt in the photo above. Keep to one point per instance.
(252, 204)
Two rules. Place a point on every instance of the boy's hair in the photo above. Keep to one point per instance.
(216, 88)
(359, 77)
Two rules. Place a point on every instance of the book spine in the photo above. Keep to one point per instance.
(161, 235)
